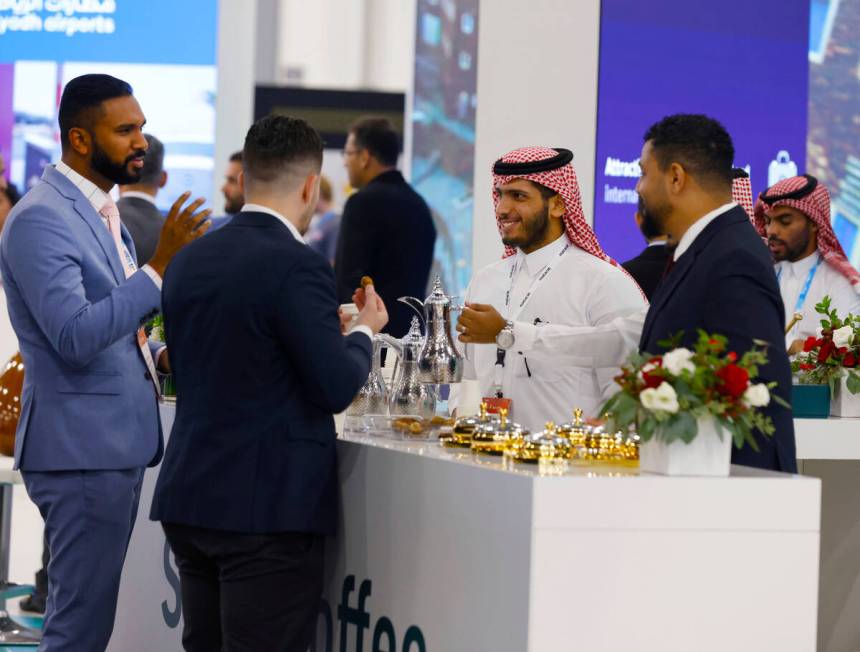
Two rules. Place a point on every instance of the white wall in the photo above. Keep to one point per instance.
(537, 85)
(234, 106)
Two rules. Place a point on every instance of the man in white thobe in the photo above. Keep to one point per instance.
(554, 275)
(794, 216)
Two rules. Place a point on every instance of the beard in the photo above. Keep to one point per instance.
(535, 230)
(656, 214)
(793, 253)
(113, 171)
(233, 205)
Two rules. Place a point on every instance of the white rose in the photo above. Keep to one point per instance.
(678, 360)
(842, 336)
(663, 399)
(757, 395)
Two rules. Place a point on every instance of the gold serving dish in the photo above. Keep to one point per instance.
(465, 427)
(543, 446)
(493, 438)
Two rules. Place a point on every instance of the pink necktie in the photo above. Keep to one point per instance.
(111, 213)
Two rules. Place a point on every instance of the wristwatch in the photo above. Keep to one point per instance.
(505, 338)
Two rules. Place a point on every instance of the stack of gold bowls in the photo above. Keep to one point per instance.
(494, 438)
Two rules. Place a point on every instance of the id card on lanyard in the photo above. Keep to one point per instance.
(498, 368)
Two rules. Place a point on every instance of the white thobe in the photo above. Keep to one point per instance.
(827, 281)
(544, 382)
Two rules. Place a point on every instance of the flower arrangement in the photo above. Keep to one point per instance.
(156, 328)
(664, 396)
(833, 354)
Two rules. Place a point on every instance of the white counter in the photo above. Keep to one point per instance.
(443, 551)
(829, 449)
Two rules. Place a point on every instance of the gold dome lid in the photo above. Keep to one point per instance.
(495, 437)
(465, 427)
(545, 445)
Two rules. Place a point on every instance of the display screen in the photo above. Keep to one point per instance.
(443, 127)
(834, 113)
(743, 63)
(166, 51)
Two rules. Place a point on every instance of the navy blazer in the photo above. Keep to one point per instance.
(724, 283)
(260, 366)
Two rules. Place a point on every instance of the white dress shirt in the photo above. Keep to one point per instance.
(827, 281)
(258, 208)
(544, 381)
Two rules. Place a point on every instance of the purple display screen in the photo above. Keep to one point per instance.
(743, 63)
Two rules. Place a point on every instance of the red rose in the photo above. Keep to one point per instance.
(734, 381)
(825, 351)
(806, 366)
(652, 379)
(810, 343)
(850, 360)
(731, 356)
(842, 350)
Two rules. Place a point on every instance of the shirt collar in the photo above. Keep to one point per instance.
(95, 195)
(257, 208)
(132, 194)
(537, 260)
(799, 268)
(698, 226)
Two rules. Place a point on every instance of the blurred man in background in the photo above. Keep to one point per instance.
(325, 224)
(649, 266)
(136, 204)
(386, 230)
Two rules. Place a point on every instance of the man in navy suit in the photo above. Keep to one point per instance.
(248, 486)
(721, 278)
(89, 418)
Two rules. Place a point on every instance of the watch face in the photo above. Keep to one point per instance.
(505, 339)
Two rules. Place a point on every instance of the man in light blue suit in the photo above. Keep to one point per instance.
(89, 418)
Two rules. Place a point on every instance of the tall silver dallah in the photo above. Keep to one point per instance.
(440, 361)
(408, 395)
(372, 398)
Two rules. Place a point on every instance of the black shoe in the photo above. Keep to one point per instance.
(33, 603)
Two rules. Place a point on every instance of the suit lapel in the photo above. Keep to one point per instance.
(665, 290)
(85, 209)
(684, 264)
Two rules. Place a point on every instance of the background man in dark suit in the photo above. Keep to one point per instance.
(136, 204)
(649, 266)
(722, 279)
(386, 229)
(248, 487)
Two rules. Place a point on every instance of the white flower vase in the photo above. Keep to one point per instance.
(842, 402)
(706, 455)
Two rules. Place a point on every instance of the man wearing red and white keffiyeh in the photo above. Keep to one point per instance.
(794, 216)
(553, 276)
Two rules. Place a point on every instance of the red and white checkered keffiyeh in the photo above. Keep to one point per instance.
(742, 193)
(563, 181)
(816, 206)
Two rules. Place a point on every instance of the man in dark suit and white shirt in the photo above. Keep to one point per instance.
(649, 267)
(386, 230)
(248, 487)
(136, 203)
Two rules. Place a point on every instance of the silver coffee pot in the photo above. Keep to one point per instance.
(440, 362)
(372, 398)
(408, 395)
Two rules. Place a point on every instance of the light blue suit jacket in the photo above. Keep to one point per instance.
(88, 402)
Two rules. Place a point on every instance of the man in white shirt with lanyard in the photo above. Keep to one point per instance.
(794, 216)
(553, 274)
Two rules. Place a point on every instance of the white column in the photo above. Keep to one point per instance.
(537, 85)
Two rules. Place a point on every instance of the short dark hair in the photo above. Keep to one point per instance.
(276, 143)
(82, 97)
(153, 162)
(12, 194)
(377, 136)
(699, 143)
(236, 157)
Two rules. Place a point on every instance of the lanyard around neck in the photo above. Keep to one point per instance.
(801, 299)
